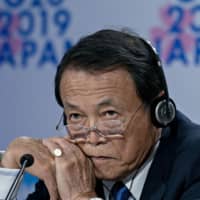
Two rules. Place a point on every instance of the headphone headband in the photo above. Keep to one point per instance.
(163, 109)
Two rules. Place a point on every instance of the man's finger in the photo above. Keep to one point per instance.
(51, 185)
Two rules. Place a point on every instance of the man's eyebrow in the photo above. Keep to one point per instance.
(105, 102)
(68, 105)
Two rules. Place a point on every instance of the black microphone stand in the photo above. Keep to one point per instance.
(25, 161)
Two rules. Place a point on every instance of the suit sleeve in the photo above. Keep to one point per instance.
(40, 193)
(192, 180)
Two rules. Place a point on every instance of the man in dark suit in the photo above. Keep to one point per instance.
(174, 173)
(125, 138)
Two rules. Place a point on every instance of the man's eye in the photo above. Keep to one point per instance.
(110, 114)
(74, 117)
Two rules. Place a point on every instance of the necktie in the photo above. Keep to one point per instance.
(120, 192)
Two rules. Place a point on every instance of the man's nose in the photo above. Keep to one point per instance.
(94, 137)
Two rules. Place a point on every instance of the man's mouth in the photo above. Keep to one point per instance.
(100, 159)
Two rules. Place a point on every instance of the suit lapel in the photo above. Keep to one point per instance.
(99, 189)
(155, 183)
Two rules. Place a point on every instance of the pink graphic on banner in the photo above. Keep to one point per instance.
(9, 33)
(176, 37)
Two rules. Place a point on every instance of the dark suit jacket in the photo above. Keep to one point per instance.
(175, 170)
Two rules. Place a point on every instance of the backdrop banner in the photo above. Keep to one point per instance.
(35, 34)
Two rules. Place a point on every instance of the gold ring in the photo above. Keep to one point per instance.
(57, 152)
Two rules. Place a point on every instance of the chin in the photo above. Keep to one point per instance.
(110, 174)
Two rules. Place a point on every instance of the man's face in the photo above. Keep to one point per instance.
(91, 98)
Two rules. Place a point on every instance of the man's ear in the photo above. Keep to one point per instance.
(162, 93)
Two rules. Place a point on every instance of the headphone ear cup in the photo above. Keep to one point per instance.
(163, 111)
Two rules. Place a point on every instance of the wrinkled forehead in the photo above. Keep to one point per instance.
(83, 84)
(72, 79)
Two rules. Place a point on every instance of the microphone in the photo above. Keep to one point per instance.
(26, 161)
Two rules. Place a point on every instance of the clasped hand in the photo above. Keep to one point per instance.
(69, 176)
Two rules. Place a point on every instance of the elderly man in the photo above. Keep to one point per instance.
(123, 137)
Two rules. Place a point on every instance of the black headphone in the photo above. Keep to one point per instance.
(163, 109)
